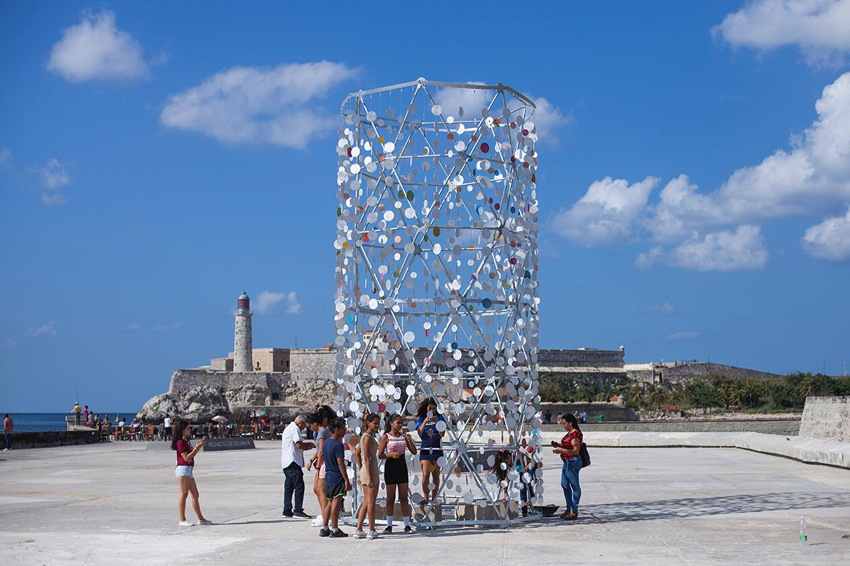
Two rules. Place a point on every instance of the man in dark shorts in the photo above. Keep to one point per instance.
(336, 479)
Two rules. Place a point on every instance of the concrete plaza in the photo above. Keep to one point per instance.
(116, 504)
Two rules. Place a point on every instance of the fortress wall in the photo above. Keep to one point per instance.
(689, 371)
(310, 379)
(826, 418)
(581, 358)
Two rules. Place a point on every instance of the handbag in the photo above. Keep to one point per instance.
(585, 455)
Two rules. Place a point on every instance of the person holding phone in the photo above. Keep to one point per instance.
(185, 471)
(570, 451)
(392, 448)
(432, 436)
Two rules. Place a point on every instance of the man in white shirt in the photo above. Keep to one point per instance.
(292, 448)
(166, 428)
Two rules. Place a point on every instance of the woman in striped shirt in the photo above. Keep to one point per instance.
(391, 449)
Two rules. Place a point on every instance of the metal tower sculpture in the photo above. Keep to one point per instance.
(436, 274)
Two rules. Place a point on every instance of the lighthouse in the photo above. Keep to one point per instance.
(242, 341)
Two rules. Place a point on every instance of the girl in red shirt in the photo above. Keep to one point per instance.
(185, 471)
(570, 450)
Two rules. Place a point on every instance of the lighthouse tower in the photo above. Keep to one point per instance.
(242, 341)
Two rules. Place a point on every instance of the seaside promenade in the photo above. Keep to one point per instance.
(117, 504)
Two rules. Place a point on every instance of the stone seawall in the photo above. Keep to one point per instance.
(50, 439)
(780, 427)
(827, 418)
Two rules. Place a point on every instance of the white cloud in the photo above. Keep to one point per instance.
(254, 105)
(743, 249)
(548, 119)
(132, 326)
(811, 177)
(8, 344)
(96, 49)
(830, 239)
(470, 99)
(5, 156)
(46, 329)
(53, 175)
(269, 302)
(666, 308)
(606, 213)
(682, 336)
(821, 28)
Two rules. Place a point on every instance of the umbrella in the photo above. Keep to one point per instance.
(259, 413)
(220, 419)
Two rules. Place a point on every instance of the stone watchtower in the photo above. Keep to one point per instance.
(242, 346)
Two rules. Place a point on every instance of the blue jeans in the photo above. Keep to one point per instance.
(293, 485)
(569, 482)
(8, 440)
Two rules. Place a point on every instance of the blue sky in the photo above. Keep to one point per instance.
(157, 158)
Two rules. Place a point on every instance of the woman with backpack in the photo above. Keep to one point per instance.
(570, 451)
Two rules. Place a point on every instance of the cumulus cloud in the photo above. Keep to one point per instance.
(257, 105)
(52, 177)
(95, 49)
(821, 28)
(830, 239)
(743, 249)
(269, 302)
(548, 119)
(665, 308)
(811, 177)
(606, 213)
(682, 336)
(46, 329)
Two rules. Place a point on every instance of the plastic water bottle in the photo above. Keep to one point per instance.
(804, 535)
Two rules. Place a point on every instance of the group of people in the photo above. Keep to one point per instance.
(331, 481)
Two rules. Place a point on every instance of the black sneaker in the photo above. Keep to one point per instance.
(388, 531)
(407, 530)
(300, 515)
(338, 534)
(324, 532)
(288, 515)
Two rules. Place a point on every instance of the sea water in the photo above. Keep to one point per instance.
(43, 422)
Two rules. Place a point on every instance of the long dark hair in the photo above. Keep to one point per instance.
(389, 426)
(325, 412)
(370, 418)
(177, 433)
(422, 411)
(570, 418)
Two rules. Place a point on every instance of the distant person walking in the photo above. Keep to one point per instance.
(8, 429)
(166, 428)
(292, 447)
(76, 412)
(185, 471)
(570, 450)
(392, 448)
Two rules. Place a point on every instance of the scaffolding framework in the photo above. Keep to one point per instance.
(437, 293)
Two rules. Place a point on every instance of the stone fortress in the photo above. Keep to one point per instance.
(286, 381)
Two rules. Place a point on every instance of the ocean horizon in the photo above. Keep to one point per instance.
(48, 422)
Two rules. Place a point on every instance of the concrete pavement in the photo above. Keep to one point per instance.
(116, 504)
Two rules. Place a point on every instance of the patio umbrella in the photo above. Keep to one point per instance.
(259, 413)
(220, 419)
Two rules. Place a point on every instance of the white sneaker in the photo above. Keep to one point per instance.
(371, 535)
(205, 522)
(359, 534)
(318, 521)
(185, 524)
